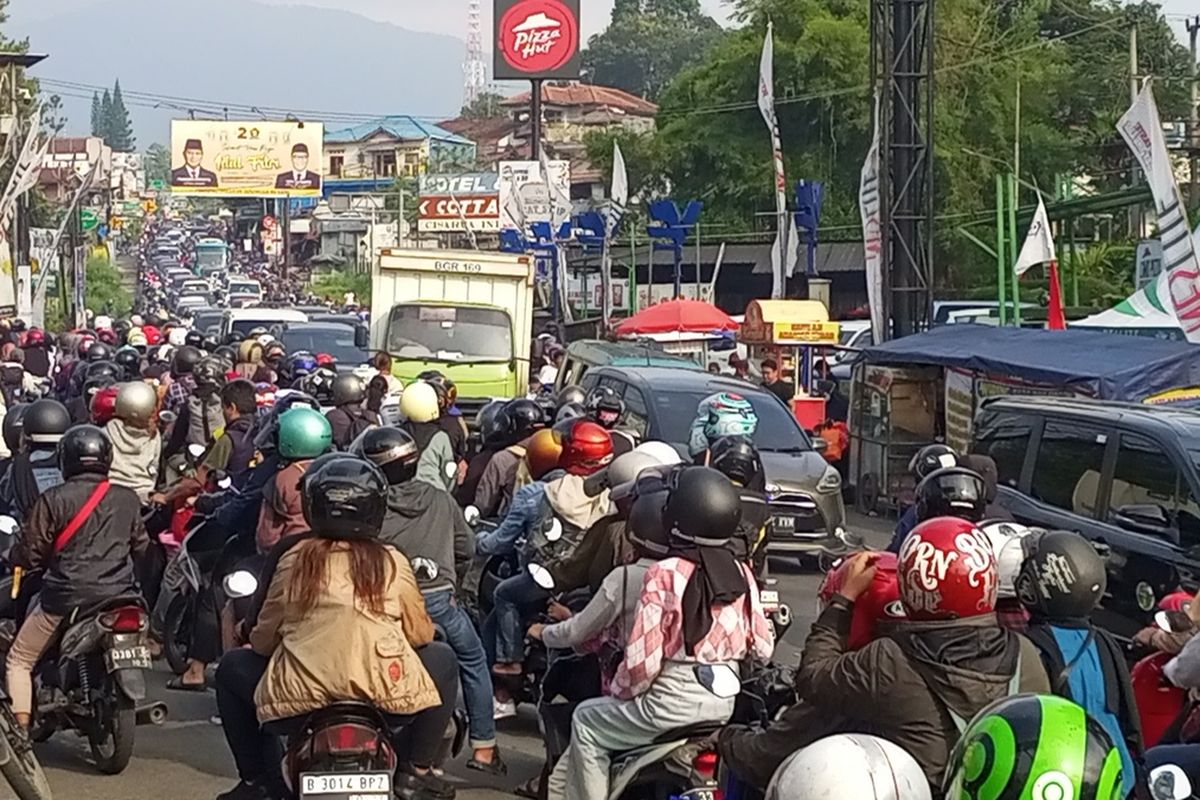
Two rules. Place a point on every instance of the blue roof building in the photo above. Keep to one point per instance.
(371, 154)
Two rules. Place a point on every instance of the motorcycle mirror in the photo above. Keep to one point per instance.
(541, 576)
(167, 417)
(195, 451)
(555, 531)
(240, 583)
(225, 483)
(1173, 621)
(1169, 782)
(472, 514)
(9, 526)
(451, 469)
(720, 679)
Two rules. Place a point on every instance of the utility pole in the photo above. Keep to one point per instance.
(1135, 210)
(1193, 27)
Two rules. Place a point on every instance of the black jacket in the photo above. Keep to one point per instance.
(348, 422)
(29, 474)
(425, 524)
(98, 562)
(37, 362)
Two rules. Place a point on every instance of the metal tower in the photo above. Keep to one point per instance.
(474, 70)
(902, 68)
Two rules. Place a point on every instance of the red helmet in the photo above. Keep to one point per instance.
(108, 336)
(879, 603)
(325, 360)
(1159, 701)
(85, 344)
(587, 448)
(947, 571)
(1176, 601)
(153, 335)
(35, 338)
(104, 405)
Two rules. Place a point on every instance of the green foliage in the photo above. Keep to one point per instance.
(97, 115)
(103, 291)
(485, 106)
(335, 284)
(157, 163)
(642, 159)
(120, 128)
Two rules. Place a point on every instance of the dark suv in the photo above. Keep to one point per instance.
(1121, 474)
(807, 514)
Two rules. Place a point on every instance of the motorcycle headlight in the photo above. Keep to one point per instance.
(830, 482)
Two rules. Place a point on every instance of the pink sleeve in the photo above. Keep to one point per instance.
(656, 613)
(762, 633)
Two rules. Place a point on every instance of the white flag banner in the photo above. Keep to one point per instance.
(1141, 128)
(766, 105)
(869, 208)
(619, 194)
(1039, 243)
(560, 203)
(793, 247)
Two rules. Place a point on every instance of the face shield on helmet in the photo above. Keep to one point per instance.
(953, 492)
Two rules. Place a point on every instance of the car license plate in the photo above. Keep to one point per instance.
(348, 785)
(783, 523)
(700, 794)
(137, 657)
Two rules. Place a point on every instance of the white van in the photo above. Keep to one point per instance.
(244, 320)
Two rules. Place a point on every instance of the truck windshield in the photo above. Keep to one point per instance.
(450, 333)
(210, 256)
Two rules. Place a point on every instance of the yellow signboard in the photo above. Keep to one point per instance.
(806, 332)
(265, 159)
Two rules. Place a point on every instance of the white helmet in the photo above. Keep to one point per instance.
(849, 765)
(177, 337)
(103, 323)
(135, 403)
(1005, 538)
(661, 452)
(136, 320)
(419, 403)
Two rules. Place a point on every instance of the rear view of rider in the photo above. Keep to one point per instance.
(36, 468)
(348, 417)
(419, 407)
(84, 536)
(927, 460)
(303, 434)
(717, 416)
(135, 439)
(514, 424)
(946, 492)
(737, 458)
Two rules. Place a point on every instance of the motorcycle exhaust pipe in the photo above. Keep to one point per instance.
(152, 714)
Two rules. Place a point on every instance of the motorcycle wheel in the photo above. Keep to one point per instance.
(21, 769)
(177, 630)
(111, 738)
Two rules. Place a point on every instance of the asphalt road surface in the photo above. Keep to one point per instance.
(186, 757)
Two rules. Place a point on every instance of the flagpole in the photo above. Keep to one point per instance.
(1001, 259)
(1012, 235)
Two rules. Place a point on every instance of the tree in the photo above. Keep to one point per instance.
(157, 163)
(106, 106)
(120, 129)
(485, 106)
(97, 115)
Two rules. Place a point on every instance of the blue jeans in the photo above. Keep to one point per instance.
(472, 664)
(514, 596)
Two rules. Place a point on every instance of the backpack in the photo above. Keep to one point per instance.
(12, 381)
(204, 417)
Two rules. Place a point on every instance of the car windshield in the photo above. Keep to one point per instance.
(337, 342)
(244, 326)
(203, 320)
(244, 288)
(450, 333)
(777, 430)
(210, 257)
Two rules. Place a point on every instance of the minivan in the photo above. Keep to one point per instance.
(1124, 475)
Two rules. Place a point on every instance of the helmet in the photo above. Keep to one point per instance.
(250, 352)
(274, 353)
(605, 406)
(518, 420)
(570, 394)
(108, 336)
(586, 449)
(185, 360)
(390, 449)
(103, 321)
(136, 403)
(99, 351)
(344, 497)
(265, 438)
(644, 528)
(323, 359)
(84, 448)
(98, 375)
(930, 458)
(210, 344)
(303, 433)
(419, 403)
(14, 424)
(446, 390)
(153, 335)
(867, 768)
(46, 421)
(703, 505)
(130, 361)
(721, 414)
(485, 423)
(947, 571)
(177, 337)
(300, 364)
(194, 338)
(1063, 577)
(35, 338)
(619, 475)
(209, 372)
(137, 338)
(1034, 746)
(257, 331)
(347, 389)
(879, 603)
(104, 405)
(661, 451)
(542, 453)
(545, 404)
(952, 492)
(1008, 547)
(86, 340)
(226, 353)
(736, 458)
(569, 411)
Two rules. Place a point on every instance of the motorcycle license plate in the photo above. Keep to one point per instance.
(769, 597)
(137, 657)
(706, 793)
(346, 786)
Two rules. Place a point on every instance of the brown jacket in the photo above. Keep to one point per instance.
(339, 651)
(282, 512)
(902, 686)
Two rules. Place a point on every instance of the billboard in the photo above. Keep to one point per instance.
(460, 202)
(536, 39)
(524, 196)
(259, 158)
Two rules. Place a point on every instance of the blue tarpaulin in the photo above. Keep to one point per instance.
(1097, 364)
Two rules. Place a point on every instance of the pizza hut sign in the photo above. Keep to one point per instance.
(537, 39)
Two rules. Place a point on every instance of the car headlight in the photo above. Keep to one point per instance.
(830, 482)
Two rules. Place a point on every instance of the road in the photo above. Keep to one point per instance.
(187, 758)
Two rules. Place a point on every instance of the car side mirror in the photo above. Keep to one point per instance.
(1145, 518)
(362, 337)
(820, 444)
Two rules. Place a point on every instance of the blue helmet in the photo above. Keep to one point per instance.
(301, 364)
(720, 415)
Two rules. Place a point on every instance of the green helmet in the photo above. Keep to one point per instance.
(303, 433)
(1034, 747)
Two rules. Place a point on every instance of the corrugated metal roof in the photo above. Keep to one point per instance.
(400, 127)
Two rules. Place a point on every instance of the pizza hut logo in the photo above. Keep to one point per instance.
(538, 35)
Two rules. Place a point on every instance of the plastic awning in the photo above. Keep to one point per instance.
(1103, 365)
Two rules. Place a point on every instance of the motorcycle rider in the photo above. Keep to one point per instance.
(425, 524)
(919, 684)
(37, 353)
(182, 382)
(1062, 581)
(35, 468)
(85, 536)
(303, 435)
(737, 458)
(699, 606)
(606, 408)
(489, 441)
(717, 416)
(135, 439)
(348, 417)
(945, 492)
(200, 416)
(515, 423)
(342, 620)
(419, 408)
(927, 460)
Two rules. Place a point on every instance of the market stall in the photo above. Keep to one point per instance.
(787, 331)
(683, 327)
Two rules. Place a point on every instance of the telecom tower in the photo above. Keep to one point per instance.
(474, 71)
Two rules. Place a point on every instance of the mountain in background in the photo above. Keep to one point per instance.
(237, 51)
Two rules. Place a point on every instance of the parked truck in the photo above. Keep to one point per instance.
(467, 314)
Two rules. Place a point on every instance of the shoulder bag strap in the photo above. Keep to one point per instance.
(68, 533)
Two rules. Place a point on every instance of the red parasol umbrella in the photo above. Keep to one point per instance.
(678, 316)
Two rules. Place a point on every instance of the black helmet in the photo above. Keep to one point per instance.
(485, 423)
(736, 458)
(348, 388)
(14, 423)
(194, 338)
(1062, 577)
(185, 360)
(130, 362)
(211, 344)
(209, 372)
(84, 448)
(100, 375)
(704, 507)
(952, 492)
(605, 406)
(225, 352)
(320, 385)
(99, 351)
(344, 497)
(930, 458)
(644, 528)
(547, 406)
(518, 420)
(570, 394)
(45, 422)
(390, 449)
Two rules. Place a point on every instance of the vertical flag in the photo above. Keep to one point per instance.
(780, 256)
(560, 212)
(1039, 249)
(869, 207)
(618, 199)
(1141, 129)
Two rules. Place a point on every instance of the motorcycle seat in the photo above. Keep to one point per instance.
(348, 711)
(130, 599)
(698, 730)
